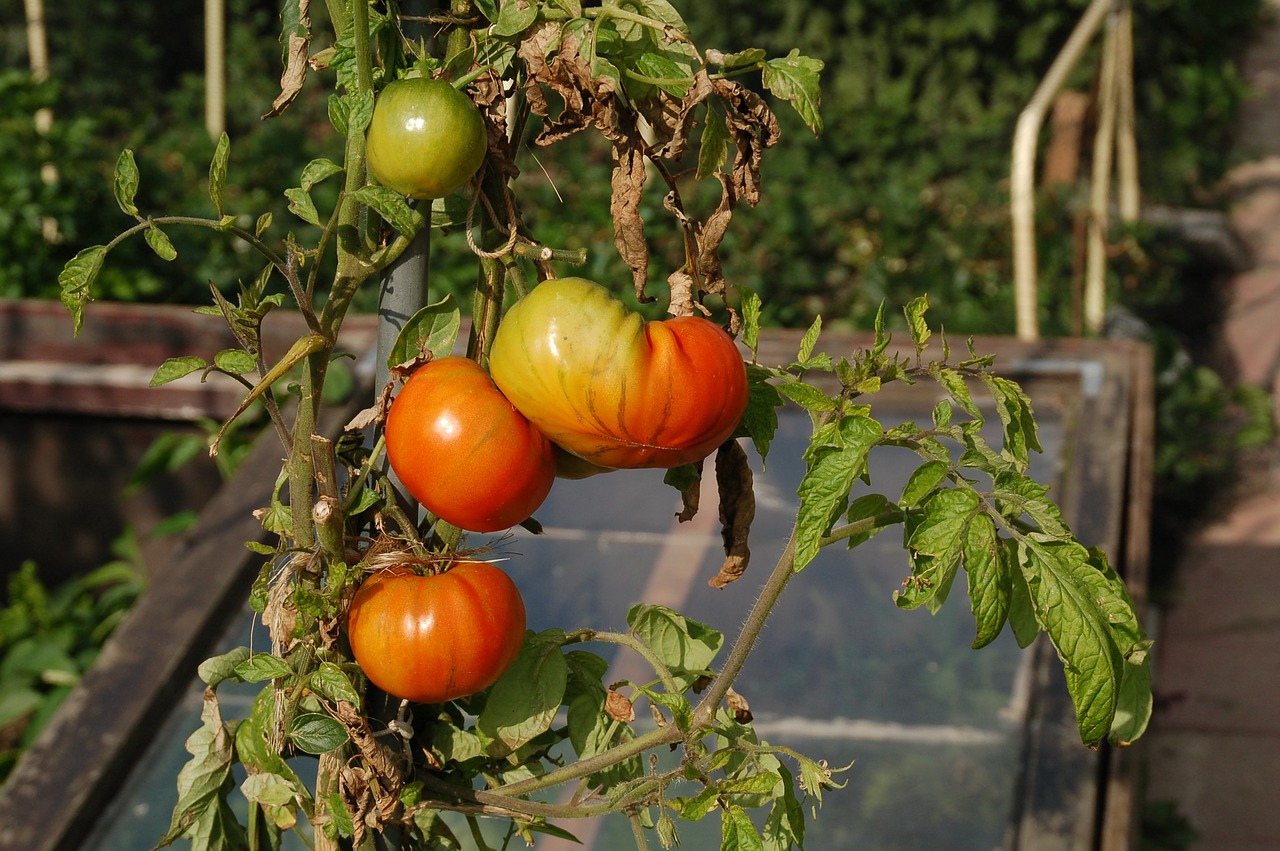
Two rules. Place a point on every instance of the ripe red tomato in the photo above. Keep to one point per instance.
(432, 638)
(426, 139)
(463, 451)
(613, 389)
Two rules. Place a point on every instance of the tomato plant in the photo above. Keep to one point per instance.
(463, 451)
(426, 138)
(437, 636)
(609, 390)
(613, 389)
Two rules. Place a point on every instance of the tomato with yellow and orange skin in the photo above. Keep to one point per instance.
(613, 389)
(463, 451)
(429, 638)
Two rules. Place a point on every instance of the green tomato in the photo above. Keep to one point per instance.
(426, 138)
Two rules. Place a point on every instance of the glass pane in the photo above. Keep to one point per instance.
(933, 727)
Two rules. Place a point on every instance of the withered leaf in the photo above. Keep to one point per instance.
(737, 510)
(618, 707)
(628, 190)
(738, 706)
(753, 127)
(683, 123)
(295, 74)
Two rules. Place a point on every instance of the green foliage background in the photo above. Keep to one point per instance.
(904, 193)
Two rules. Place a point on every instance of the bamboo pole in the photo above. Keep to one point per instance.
(38, 59)
(1104, 144)
(1128, 193)
(215, 71)
(1022, 177)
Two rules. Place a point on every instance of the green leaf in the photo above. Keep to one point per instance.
(760, 422)
(263, 666)
(808, 341)
(664, 73)
(315, 733)
(684, 645)
(175, 368)
(301, 205)
(219, 668)
(76, 280)
(433, 329)
(693, 809)
(713, 148)
(343, 824)
(514, 18)
(794, 78)
(1134, 700)
(392, 207)
(218, 171)
(1074, 601)
(1134, 704)
(749, 305)
(261, 225)
(742, 59)
(1019, 495)
(202, 813)
(865, 507)
(276, 795)
(253, 737)
(160, 244)
(936, 541)
(523, 702)
(318, 170)
(1014, 408)
(235, 361)
(737, 832)
(920, 333)
(126, 182)
(453, 744)
(332, 683)
(835, 459)
(359, 108)
(990, 579)
(807, 396)
(1022, 615)
(784, 826)
(953, 382)
(926, 479)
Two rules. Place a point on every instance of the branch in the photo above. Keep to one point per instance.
(625, 640)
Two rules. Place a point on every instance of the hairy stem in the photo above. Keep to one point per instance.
(621, 638)
(637, 831)
(705, 712)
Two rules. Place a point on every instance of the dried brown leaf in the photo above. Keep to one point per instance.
(619, 707)
(753, 127)
(739, 706)
(680, 282)
(737, 510)
(628, 190)
(295, 74)
(683, 119)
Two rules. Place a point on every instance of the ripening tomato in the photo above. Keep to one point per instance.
(463, 451)
(426, 139)
(613, 389)
(435, 637)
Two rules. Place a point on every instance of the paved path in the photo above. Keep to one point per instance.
(1214, 748)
